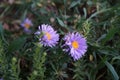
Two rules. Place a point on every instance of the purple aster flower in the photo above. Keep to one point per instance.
(49, 37)
(76, 45)
(1, 79)
(26, 24)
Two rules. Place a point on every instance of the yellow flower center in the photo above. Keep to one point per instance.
(27, 25)
(75, 44)
(48, 35)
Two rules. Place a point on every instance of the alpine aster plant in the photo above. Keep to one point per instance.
(76, 45)
(49, 35)
(26, 24)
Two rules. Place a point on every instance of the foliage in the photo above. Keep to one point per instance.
(23, 58)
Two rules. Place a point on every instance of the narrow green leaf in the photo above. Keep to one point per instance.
(1, 28)
(60, 22)
(2, 33)
(117, 57)
(74, 3)
(24, 15)
(101, 37)
(98, 12)
(85, 12)
(112, 70)
(110, 34)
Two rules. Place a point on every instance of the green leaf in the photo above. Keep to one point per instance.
(24, 15)
(17, 44)
(1, 28)
(85, 12)
(117, 57)
(60, 22)
(110, 34)
(74, 3)
(112, 70)
(98, 12)
(101, 38)
(2, 33)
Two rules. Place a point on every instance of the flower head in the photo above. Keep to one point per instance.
(50, 37)
(76, 45)
(26, 24)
